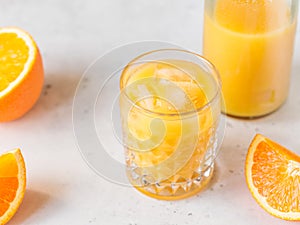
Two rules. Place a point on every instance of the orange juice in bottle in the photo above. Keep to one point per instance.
(251, 44)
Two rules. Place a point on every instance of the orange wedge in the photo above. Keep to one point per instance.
(21, 73)
(12, 184)
(273, 177)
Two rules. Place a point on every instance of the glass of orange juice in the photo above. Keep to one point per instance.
(170, 111)
(251, 43)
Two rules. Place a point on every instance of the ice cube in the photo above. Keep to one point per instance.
(176, 96)
(143, 91)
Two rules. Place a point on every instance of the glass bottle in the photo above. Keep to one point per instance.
(251, 43)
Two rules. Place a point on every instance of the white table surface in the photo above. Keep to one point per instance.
(61, 188)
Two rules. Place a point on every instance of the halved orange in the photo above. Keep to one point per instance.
(273, 177)
(21, 73)
(12, 184)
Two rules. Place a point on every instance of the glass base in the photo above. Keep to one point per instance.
(250, 117)
(167, 190)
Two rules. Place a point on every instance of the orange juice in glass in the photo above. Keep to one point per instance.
(170, 109)
(251, 44)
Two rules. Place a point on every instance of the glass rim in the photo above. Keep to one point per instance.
(215, 74)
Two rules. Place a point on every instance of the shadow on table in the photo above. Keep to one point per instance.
(56, 98)
(59, 90)
(32, 203)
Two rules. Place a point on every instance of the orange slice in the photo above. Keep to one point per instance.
(12, 184)
(21, 73)
(273, 177)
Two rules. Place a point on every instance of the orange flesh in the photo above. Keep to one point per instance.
(281, 186)
(8, 181)
(21, 73)
(13, 55)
